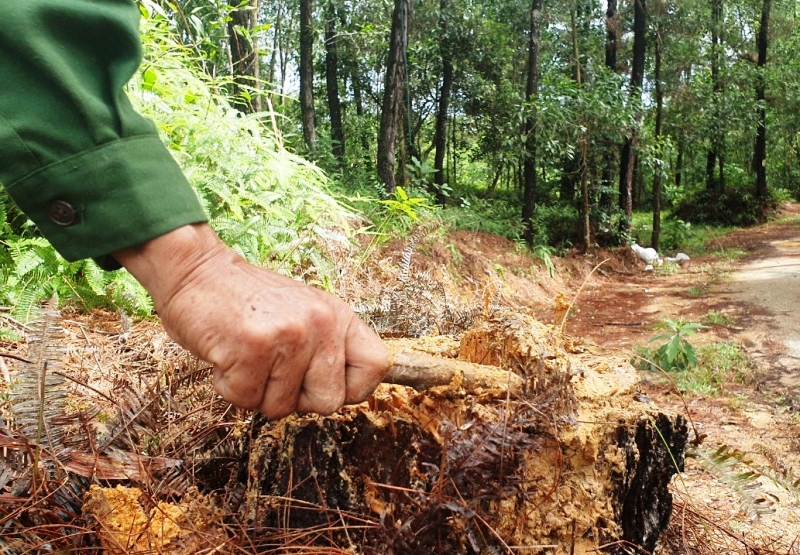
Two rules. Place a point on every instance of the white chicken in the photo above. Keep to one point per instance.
(680, 258)
(647, 255)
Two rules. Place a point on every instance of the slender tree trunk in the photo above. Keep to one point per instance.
(332, 84)
(571, 166)
(358, 100)
(283, 54)
(655, 237)
(583, 144)
(273, 55)
(715, 154)
(612, 35)
(453, 150)
(609, 153)
(307, 75)
(393, 94)
(244, 56)
(531, 93)
(440, 136)
(679, 164)
(760, 150)
(576, 62)
(495, 180)
(628, 158)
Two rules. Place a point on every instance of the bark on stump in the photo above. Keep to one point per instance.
(575, 463)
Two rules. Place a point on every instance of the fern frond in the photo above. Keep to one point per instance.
(723, 463)
(38, 398)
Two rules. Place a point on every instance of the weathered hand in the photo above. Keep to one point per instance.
(277, 345)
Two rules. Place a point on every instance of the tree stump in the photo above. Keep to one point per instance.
(574, 463)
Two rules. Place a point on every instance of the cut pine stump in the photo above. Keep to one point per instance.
(572, 464)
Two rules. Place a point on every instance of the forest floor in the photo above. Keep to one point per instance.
(738, 493)
(746, 498)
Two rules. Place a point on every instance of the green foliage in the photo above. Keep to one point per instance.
(265, 202)
(675, 352)
(704, 371)
(33, 272)
(718, 364)
(731, 207)
(404, 210)
(497, 215)
(544, 253)
(715, 318)
(675, 234)
(268, 204)
(420, 174)
(556, 225)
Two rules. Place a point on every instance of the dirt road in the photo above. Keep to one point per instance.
(770, 285)
(751, 281)
(747, 291)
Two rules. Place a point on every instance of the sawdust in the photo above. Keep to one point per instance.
(123, 527)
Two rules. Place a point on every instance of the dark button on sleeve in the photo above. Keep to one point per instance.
(61, 213)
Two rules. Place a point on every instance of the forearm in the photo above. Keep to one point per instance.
(169, 262)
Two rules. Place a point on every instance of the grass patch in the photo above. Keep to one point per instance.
(498, 216)
(697, 291)
(719, 364)
(714, 318)
(677, 235)
(731, 254)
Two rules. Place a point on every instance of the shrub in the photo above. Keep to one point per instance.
(730, 207)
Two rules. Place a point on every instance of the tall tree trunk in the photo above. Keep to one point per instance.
(760, 150)
(307, 75)
(393, 94)
(612, 35)
(358, 100)
(655, 236)
(332, 83)
(715, 153)
(628, 158)
(244, 56)
(531, 93)
(571, 165)
(609, 154)
(570, 177)
(583, 145)
(440, 136)
(581, 165)
(273, 55)
(454, 150)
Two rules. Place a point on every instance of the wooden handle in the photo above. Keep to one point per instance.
(423, 371)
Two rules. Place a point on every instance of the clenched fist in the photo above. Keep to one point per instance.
(277, 345)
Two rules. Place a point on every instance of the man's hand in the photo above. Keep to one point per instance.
(277, 345)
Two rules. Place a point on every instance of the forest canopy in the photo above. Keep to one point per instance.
(576, 113)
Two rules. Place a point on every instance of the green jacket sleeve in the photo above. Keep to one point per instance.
(74, 155)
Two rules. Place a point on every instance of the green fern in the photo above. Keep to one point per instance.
(271, 206)
(265, 202)
(736, 470)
